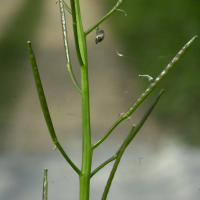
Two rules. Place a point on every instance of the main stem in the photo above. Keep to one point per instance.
(84, 177)
(80, 37)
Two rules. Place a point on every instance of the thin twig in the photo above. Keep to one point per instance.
(127, 141)
(115, 8)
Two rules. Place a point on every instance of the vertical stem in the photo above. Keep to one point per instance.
(84, 177)
(80, 38)
(45, 186)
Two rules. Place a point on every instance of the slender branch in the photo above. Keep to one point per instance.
(80, 33)
(146, 115)
(66, 6)
(66, 46)
(131, 138)
(127, 141)
(44, 106)
(124, 145)
(103, 165)
(74, 18)
(45, 186)
(107, 134)
(105, 17)
(147, 91)
(106, 162)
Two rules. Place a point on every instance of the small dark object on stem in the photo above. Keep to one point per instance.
(99, 35)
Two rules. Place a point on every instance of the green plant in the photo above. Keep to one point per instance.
(85, 173)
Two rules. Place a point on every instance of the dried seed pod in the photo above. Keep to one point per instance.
(99, 35)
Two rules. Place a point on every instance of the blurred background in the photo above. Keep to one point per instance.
(163, 160)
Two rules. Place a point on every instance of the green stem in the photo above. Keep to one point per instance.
(131, 138)
(107, 134)
(78, 32)
(66, 46)
(147, 91)
(122, 149)
(66, 6)
(103, 165)
(146, 115)
(44, 106)
(45, 186)
(127, 141)
(84, 177)
(81, 48)
(105, 17)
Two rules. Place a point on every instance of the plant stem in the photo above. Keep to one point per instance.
(122, 149)
(130, 139)
(75, 29)
(81, 48)
(84, 177)
(66, 6)
(105, 17)
(45, 186)
(127, 141)
(103, 165)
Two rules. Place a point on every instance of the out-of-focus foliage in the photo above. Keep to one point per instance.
(153, 32)
(13, 53)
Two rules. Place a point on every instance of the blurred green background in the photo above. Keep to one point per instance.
(20, 27)
(152, 33)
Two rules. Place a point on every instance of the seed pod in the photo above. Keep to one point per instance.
(99, 35)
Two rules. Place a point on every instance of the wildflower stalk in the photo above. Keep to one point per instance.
(85, 173)
(81, 49)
